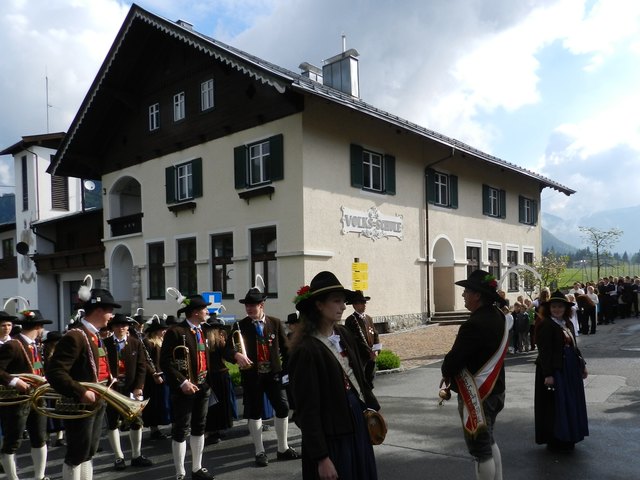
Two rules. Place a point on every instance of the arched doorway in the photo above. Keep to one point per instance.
(121, 273)
(443, 275)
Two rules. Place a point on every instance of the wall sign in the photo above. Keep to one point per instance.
(371, 224)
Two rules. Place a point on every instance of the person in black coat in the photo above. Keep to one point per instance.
(329, 387)
(560, 406)
(267, 354)
(184, 361)
(476, 359)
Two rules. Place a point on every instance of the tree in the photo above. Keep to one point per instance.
(550, 268)
(601, 241)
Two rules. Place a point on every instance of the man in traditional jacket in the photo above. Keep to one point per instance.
(364, 332)
(266, 350)
(23, 354)
(128, 366)
(474, 367)
(80, 356)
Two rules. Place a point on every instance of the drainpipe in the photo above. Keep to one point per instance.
(426, 227)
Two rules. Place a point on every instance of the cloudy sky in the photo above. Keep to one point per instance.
(550, 85)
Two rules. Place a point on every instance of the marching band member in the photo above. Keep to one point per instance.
(220, 414)
(128, 365)
(156, 390)
(183, 359)
(266, 350)
(80, 356)
(23, 354)
(6, 324)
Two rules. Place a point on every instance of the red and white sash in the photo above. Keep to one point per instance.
(474, 389)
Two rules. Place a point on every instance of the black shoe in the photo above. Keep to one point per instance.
(202, 474)
(119, 464)
(158, 435)
(141, 461)
(262, 460)
(212, 440)
(288, 454)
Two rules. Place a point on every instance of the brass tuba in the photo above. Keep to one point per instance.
(11, 396)
(182, 360)
(69, 409)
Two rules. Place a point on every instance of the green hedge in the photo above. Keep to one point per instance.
(387, 360)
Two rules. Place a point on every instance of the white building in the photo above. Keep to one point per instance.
(217, 166)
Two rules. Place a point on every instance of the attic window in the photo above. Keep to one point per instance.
(154, 117)
(206, 95)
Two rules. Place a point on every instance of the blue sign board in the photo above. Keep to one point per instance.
(215, 299)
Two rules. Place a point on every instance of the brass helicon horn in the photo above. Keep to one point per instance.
(69, 409)
(12, 396)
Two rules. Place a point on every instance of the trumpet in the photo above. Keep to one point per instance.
(69, 409)
(11, 396)
(182, 360)
(238, 345)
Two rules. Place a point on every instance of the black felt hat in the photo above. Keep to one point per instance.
(121, 319)
(253, 297)
(323, 283)
(5, 317)
(155, 323)
(482, 282)
(191, 303)
(559, 297)
(31, 318)
(52, 336)
(292, 319)
(358, 297)
(100, 297)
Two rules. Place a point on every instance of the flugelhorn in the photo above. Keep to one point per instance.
(182, 360)
(12, 396)
(238, 345)
(68, 409)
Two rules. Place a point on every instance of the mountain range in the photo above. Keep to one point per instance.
(565, 237)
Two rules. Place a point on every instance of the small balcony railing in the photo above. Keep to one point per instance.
(78, 259)
(126, 225)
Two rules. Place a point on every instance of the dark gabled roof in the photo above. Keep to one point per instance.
(48, 140)
(281, 79)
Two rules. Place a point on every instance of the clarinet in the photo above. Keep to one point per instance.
(152, 366)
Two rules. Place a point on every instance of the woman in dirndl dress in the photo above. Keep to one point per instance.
(329, 388)
(158, 410)
(560, 405)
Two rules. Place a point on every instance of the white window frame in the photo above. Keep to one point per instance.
(206, 95)
(441, 183)
(178, 107)
(372, 170)
(184, 181)
(527, 210)
(154, 117)
(494, 201)
(259, 154)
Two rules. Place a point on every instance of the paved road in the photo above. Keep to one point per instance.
(425, 441)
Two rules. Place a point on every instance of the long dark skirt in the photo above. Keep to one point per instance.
(561, 413)
(158, 411)
(220, 415)
(352, 455)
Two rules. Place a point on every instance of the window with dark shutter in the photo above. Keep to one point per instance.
(259, 163)
(372, 171)
(183, 182)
